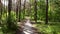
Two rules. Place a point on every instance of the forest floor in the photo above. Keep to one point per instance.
(1, 31)
(51, 28)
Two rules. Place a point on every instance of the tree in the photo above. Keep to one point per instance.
(9, 14)
(35, 9)
(46, 12)
(0, 11)
(19, 10)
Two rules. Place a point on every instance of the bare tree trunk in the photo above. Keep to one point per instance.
(19, 11)
(0, 11)
(46, 12)
(9, 6)
(24, 9)
(9, 14)
(35, 9)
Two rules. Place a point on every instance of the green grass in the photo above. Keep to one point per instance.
(1, 32)
(49, 29)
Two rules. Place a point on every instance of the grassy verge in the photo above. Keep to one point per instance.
(48, 29)
(1, 31)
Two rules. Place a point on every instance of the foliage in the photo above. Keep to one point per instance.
(9, 22)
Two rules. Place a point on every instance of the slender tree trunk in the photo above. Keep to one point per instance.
(0, 11)
(35, 9)
(19, 10)
(9, 14)
(9, 6)
(46, 12)
(24, 9)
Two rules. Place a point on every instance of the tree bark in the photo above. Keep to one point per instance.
(9, 6)
(0, 11)
(35, 9)
(9, 14)
(19, 10)
(46, 12)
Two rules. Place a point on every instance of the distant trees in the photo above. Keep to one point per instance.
(42, 10)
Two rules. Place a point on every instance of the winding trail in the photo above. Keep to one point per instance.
(27, 27)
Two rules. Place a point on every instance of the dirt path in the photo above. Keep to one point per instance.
(27, 27)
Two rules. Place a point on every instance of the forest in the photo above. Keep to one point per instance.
(41, 16)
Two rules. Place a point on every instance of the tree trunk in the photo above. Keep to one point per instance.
(35, 9)
(9, 14)
(19, 10)
(0, 11)
(9, 6)
(24, 9)
(46, 12)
